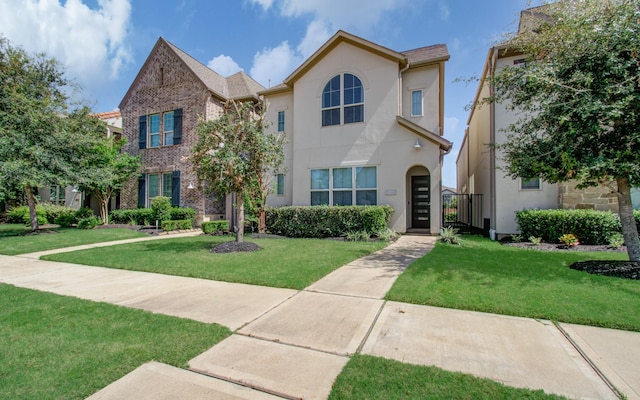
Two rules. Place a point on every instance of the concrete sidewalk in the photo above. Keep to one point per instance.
(293, 344)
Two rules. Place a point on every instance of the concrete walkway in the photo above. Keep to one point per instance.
(293, 344)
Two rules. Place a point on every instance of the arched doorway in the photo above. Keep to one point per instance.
(419, 198)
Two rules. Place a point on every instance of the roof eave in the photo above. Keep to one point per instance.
(443, 143)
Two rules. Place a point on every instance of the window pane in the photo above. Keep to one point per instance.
(320, 179)
(331, 93)
(416, 102)
(155, 140)
(153, 182)
(366, 197)
(154, 123)
(530, 184)
(342, 178)
(353, 114)
(353, 91)
(320, 198)
(342, 198)
(331, 117)
(280, 185)
(280, 121)
(366, 177)
(167, 127)
(166, 184)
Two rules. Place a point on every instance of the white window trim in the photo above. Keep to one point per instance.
(421, 102)
(521, 189)
(161, 131)
(161, 177)
(354, 189)
(342, 106)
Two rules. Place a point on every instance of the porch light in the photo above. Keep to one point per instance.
(417, 145)
(191, 186)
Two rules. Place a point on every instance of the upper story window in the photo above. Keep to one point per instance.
(161, 129)
(343, 100)
(416, 103)
(280, 121)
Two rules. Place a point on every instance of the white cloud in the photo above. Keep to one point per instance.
(89, 42)
(265, 4)
(224, 65)
(317, 34)
(272, 65)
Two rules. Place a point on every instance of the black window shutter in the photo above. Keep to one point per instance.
(175, 189)
(142, 132)
(177, 126)
(141, 191)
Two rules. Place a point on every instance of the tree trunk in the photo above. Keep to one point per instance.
(262, 221)
(627, 221)
(104, 210)
(31, 202)
(240, 217)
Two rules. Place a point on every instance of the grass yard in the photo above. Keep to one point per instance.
(368, 377)
(14, 241)
(285, 263)
(57, 347)
(485, 276)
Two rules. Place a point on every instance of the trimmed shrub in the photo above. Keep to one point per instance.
(327, 221)
(182, 213)
(136, 216)
(219, 226)
(88, 223)
(65, 220)
(169, 225)
(20, 215)
(53, 211)
(161, 207)
(589, 226)
(84, 212)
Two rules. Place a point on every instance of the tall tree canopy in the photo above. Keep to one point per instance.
(234, 154)
(42, 140)
(578, 98)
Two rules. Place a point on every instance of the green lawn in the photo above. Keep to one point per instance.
(485, 276)
(14, 238)
(56, 347)
(286, 263)
(367, 377)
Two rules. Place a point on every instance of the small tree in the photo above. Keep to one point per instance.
(578, 98)
(108, 172)
(234, 154)
(42, 143)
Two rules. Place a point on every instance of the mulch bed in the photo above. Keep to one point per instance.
(616, 268)
(235, 247)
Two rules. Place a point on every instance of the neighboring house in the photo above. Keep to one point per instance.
(480, 169)
(364, 126)
(448, 191)
(160, 112)
(70, 196)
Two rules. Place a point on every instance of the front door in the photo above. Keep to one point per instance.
(421, 201)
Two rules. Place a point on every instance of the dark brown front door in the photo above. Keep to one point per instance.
(420, 201)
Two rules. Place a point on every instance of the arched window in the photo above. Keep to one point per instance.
(343, 106)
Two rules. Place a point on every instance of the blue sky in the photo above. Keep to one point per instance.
(103, 43)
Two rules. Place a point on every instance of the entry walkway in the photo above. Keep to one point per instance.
(293, 344)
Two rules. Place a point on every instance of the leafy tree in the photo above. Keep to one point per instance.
(42, 141)
(234, 155)
(578, 100)
(108, 172)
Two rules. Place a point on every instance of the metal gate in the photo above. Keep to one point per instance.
(463, 212)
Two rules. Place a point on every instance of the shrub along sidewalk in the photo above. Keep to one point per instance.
(482, 275)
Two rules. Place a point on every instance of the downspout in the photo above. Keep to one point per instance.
(400, 88)
(492, 152)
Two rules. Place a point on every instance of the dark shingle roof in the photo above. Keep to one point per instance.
(427, 54)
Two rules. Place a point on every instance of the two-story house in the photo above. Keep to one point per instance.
(364, 125)
(160, 112)
(479, 167)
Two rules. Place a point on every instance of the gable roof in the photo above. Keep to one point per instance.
(411, 58)
(443, 143)
(237, 86)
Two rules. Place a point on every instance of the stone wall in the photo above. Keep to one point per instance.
(166, 84)
(599, 198)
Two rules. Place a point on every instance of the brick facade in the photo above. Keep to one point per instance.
(166, 83)
(599, 198)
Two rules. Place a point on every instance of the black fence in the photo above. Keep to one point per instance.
(463, 212)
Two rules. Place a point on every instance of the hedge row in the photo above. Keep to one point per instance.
(218, 226)
(327, 221)
(589, 226)
(146, 216)
(49, 214)
(176, 224)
